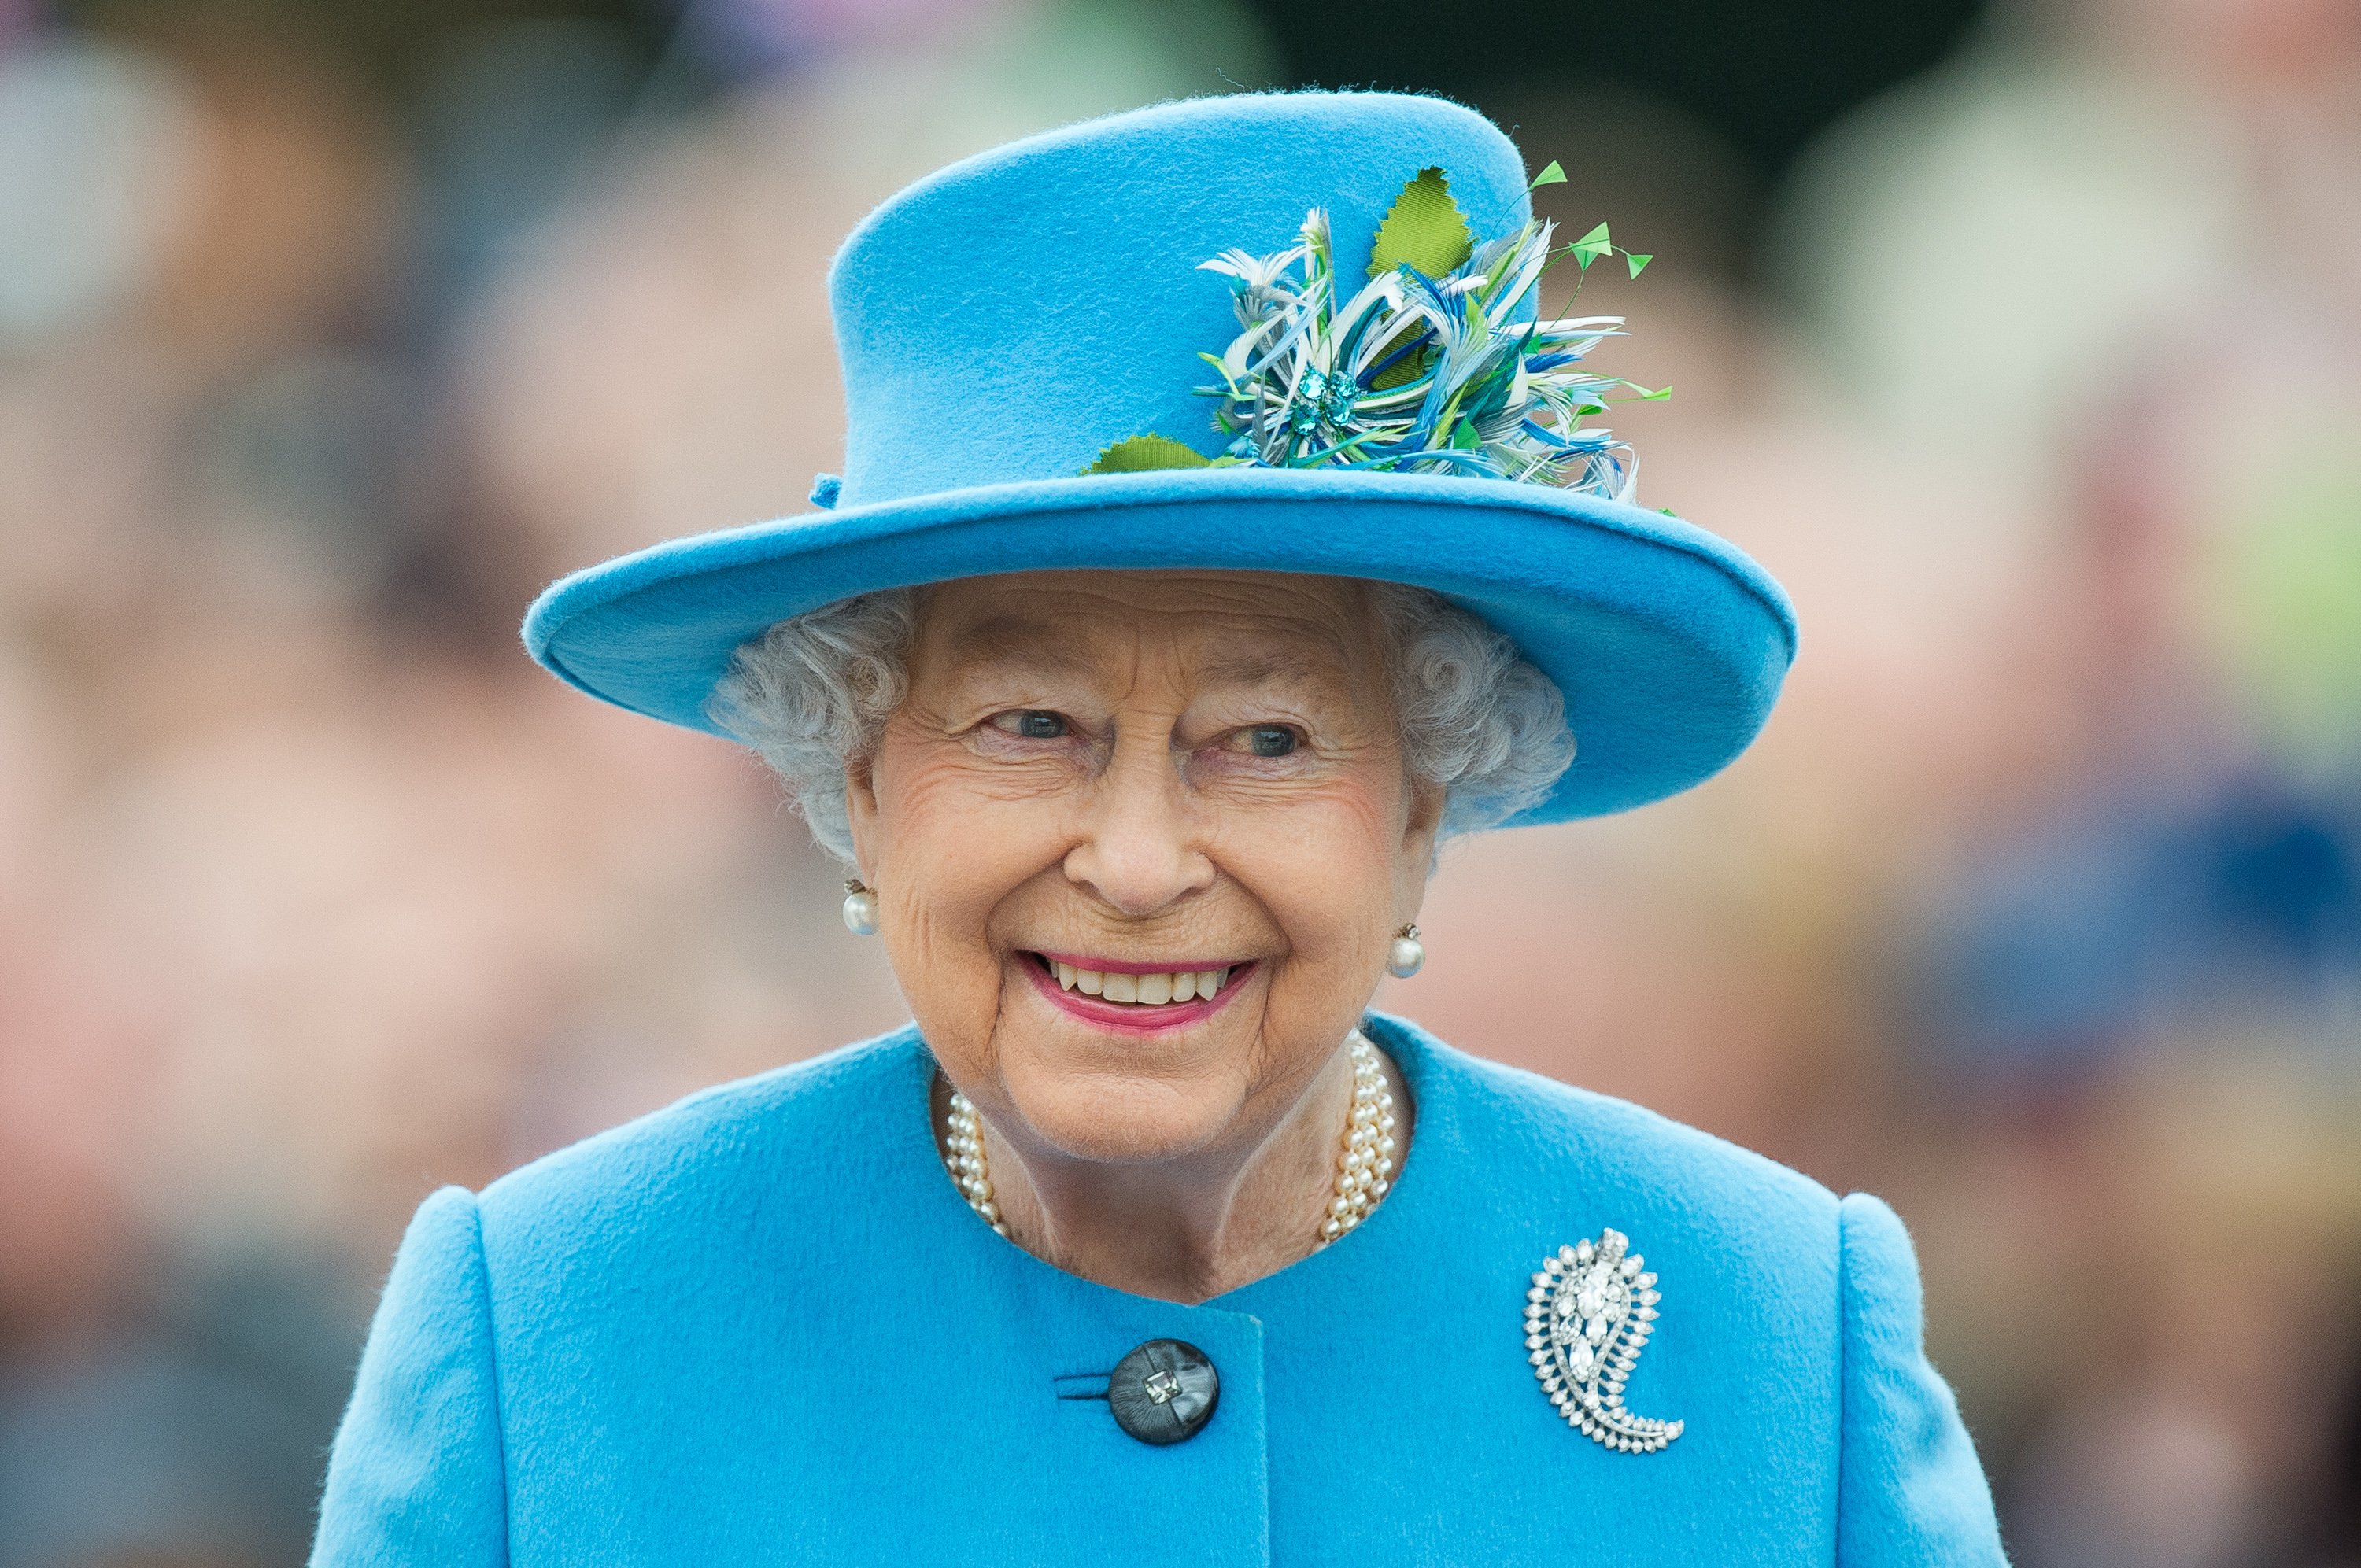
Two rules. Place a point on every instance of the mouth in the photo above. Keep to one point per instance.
(1135, 996)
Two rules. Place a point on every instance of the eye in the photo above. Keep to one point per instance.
(1271, 741)
(1033, 724)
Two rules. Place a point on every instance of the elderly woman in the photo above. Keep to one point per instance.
(1146, 1243)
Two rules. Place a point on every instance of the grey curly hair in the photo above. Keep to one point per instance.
(1479, 721)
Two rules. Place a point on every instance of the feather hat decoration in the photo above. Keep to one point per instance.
(1439, 363)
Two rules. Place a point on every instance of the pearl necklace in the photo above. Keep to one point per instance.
(1364, 1161)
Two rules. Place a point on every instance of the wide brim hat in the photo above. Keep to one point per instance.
(1003, 323)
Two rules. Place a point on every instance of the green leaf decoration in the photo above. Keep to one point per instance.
(1591, 246)
(1403, 371)
(1658, 395)
(1464, 437)
(1425, 231)
(1142, 453)
(1638, 262)
(1554, 175)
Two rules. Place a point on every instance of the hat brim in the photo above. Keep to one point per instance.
(1669, 643)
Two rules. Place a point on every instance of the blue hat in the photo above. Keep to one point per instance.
(1027, 338)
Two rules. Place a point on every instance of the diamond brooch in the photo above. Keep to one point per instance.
(1588, 1318)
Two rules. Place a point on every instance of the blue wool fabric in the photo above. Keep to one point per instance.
(761, 1328)
(1003, 322)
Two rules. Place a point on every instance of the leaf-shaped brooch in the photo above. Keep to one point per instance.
(1588, 1317)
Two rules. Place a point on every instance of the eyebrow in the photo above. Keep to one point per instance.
(1255, 667)
(1045, 643)
(1017, 637)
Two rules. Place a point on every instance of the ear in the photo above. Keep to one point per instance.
(861, 814)
(1415, 863)
(1426, 820)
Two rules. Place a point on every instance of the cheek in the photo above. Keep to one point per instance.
(948, 853)
(1328, 869)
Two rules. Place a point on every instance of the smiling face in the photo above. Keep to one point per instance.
(1104, 782)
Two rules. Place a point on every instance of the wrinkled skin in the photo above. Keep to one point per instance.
(1188, 769)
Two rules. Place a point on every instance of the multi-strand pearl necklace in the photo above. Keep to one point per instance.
(964, 1158)
(1365, 1162)
(1365, 1165)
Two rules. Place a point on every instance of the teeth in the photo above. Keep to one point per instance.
(1142, 990)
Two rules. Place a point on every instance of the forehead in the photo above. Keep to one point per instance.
(1246, 626)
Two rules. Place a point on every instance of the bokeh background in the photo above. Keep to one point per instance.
(2022, 340)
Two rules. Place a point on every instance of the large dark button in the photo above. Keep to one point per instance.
(1164, 1392)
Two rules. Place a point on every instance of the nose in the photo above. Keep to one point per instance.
(1138, 849)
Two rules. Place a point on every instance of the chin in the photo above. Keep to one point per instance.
(1128, 1118)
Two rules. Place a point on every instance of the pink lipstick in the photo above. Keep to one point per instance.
(1144, 1017)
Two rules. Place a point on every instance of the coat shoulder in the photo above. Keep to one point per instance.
(1627, 1158)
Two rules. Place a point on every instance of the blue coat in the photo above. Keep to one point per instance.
(762, 1327)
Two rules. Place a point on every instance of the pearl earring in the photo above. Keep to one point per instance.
(861, 909)
(1409, 955)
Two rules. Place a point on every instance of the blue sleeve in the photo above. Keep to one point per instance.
(1909, 1491)
(416, 1476)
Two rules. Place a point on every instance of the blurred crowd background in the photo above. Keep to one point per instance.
(2021, 340)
